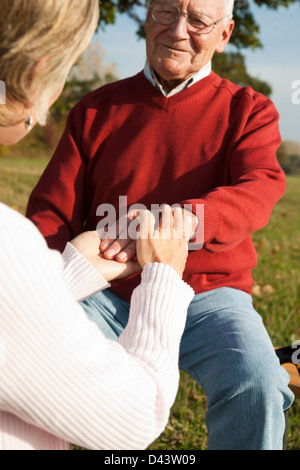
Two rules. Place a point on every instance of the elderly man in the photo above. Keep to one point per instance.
(177, 133)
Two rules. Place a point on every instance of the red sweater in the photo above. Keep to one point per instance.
(212, 144)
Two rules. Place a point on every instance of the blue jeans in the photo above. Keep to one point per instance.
(226, 349)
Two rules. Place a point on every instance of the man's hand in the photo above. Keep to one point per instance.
(166, 244)
(88, 245)
(123, 248)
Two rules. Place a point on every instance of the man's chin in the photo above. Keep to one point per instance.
(169, 69)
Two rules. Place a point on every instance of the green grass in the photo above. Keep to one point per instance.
(17, 178)
(276, 297)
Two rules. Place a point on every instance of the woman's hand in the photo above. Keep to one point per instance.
(87, 244)
(168, 243)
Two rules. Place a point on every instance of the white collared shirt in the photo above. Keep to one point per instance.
(150, 75)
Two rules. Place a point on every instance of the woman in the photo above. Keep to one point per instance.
(61, 381)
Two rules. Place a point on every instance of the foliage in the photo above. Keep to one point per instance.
(89, 73)
(232, 66)
(246, 33)
(288, 156)
(292, 166)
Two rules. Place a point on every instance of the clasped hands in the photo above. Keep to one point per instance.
(165, 242)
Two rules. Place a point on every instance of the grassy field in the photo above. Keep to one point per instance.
(276, 297)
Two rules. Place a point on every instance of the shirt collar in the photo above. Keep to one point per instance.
(151, 76)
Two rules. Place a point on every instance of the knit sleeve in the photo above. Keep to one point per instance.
(161, 290)
(61, 375)
(82, 279)
(231, 212)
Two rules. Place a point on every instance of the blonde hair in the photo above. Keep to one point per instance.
(42, 36)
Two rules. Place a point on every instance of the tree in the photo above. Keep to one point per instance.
(231, 65)
(288, 156)
(90, 72)
(246, 35)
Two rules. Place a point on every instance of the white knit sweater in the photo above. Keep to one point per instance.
(61, 381)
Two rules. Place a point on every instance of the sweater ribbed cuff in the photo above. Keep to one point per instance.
(208, 226)
(158, 304)
(82, 279)
(159, 272)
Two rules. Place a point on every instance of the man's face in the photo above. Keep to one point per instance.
(175, 52)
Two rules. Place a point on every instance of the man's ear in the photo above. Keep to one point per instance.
(147, 21)
(225, 37)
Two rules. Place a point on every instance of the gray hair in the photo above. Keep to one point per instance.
(228, 8)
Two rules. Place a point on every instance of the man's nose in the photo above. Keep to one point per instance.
(179, 29)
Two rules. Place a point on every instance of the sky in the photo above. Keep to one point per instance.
(278, 62)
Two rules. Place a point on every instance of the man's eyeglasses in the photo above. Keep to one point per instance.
(166, 15)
